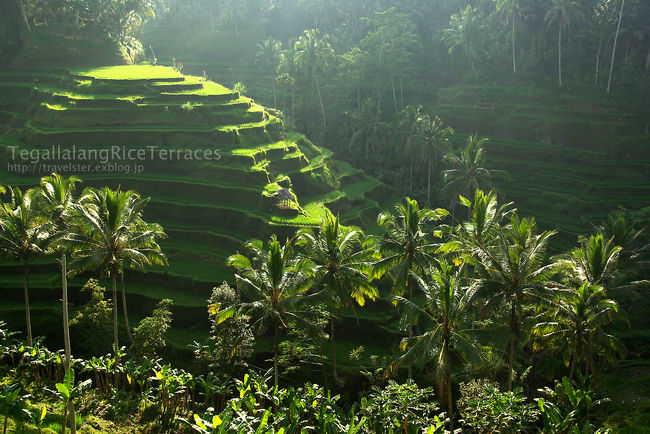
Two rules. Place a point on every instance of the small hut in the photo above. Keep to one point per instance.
(284, 197)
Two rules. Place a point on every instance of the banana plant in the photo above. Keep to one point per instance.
(67, 392)
(37, 417)
(10, 400)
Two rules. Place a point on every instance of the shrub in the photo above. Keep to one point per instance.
(485, 409)
(401, 408)
(95, 315)
(231, 341)
(149, 335)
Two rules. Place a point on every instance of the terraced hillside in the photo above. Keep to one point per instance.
(212, 161)
(570, 160)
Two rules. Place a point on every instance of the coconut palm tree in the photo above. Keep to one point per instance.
(407, 249)
(407, 123)
(432, 138)
(575, 321)
(276, 282)
(367, 129)
(313, 52)
(464, 32)
(468, 173)
(562, 13)
(511, 270)
(595, 261)
(511, 7)
(24, 234)
(447, 313)
(618, 29)
(57, 198)
(114, 233)
(267, 58)
(341, 261)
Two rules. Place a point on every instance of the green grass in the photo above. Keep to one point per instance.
(128, 72)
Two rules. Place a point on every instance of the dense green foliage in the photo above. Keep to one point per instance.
(478, 275)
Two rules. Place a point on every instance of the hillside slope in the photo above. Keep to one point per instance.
(212, 161)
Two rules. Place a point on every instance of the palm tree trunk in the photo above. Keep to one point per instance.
(126, 315)
(429, 184)
(450, 402)
(408, 283)
(559, 54)
(275, 355)
(275, 104)
(28, 317)
(411, 176)
(293, 105)
(514, 61)
(320, 99)
(618, 28)
(66, 333)
(573, 364)
(334, 373)
(513, 344)
(22, 12)
(600, 46)
(115, 339)
(394, 94)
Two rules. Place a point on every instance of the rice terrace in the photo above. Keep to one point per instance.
(325, 216)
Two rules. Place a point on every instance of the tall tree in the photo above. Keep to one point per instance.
(618, 29)
(468, 173)
(511, 7)
(114, 233)
(314, 52)
(57, 197)
(268, 60)
(276, 282)
(562, 13)
(432, 138)
(448, 301)
(407, 249)
(464, 32)
(24, 234)
(341, 260)
(575, 322)
(511, 271)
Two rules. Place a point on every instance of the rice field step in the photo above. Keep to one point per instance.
(190, 97)
(177, 87)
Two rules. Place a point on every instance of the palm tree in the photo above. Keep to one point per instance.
(447, 308)
(407, 127)
(314, 52)
(575, 321)
(113, 233)
(468, 174)
(24, 234)
(485, 217)
(464, 32)
(57, 196)
(406, 249)
(618, 29)
(510, 6)
(341, 262)
(432, 138)
(512, 270)
(277, 283)
(367, 129)
(594, 261)
(268, 60)
(562, 13)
